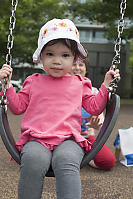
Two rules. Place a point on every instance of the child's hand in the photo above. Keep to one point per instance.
(110, 75)
(5, 73)
(94, 122)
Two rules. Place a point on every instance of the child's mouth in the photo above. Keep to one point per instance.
(56, 70)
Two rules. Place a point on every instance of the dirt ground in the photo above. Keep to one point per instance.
(96, 184)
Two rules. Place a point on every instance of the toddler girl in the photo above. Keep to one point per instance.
(51, 103)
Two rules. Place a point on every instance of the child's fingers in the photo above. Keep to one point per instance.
(113, 70)
(97, 119)
(117, 74)
(5, 71)
(114, 73)
(113, 67)
(7, 67)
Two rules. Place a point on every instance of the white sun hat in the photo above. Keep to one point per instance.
(57, 29)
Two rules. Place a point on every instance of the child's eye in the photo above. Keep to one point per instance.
(74, 65)
(66, 55)
(81, 65)
(49, 54)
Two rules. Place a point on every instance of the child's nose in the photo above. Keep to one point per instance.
(77, 67)
(57, 60)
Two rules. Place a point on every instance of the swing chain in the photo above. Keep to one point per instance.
(116, 59)
(3, 100)
(117, 47)
(11, 28)
(5, 83)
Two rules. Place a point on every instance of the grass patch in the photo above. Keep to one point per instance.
(126, 101)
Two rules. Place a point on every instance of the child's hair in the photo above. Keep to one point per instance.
(71, 44)
(86, 61)
(87, 65)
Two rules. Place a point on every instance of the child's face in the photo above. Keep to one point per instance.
(79, 68)
(57, 59)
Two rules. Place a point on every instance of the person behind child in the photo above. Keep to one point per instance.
(104, 159)
(51, 103)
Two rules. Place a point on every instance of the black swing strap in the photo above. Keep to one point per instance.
(7, 136)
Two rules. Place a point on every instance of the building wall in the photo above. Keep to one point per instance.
(100, 59)
(101, 53)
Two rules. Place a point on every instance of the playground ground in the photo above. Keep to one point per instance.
(96, 184)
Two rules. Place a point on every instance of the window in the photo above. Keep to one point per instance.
(85, 35)
(92, 36)
(98, 36)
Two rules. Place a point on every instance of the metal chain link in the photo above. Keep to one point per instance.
(5, 83)
(10, 36)
(117, 47)
(116, 59)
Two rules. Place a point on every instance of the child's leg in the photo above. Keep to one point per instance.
(35, 161)
(104, 159)
(66, 162)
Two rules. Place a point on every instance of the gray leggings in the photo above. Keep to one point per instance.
(65, 160)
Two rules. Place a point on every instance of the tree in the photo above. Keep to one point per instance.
(30, 15)
(105, 12)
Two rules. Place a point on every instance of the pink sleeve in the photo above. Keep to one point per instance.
(94, 104)
(18, 102)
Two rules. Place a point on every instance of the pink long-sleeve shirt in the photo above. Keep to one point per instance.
(52, 108)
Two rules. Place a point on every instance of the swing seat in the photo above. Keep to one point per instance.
(112, 110)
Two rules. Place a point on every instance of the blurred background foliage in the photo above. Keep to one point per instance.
(32, 14)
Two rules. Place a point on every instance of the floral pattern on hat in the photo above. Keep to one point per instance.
(54, 28)
(77, 33)
(70, 29)
(57, 26)
(62, 24)
(44, 32)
